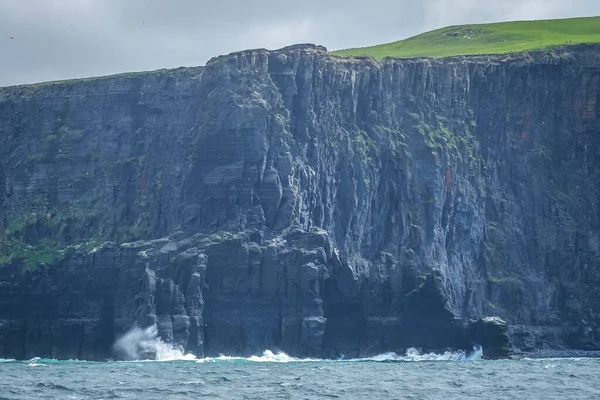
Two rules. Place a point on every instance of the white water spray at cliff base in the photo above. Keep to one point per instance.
(144, 344)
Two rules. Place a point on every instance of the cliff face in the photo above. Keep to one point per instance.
(296, 201)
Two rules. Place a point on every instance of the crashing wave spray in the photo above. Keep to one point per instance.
(413, 354)
(267, 357)
(144, 344)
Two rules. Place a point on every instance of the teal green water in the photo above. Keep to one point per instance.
(385, 377)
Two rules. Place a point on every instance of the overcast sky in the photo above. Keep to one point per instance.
(58, 39)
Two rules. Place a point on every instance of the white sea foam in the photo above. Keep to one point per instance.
(413, 354)
(166, 352)
(34, 362)
(7, 360)
(139, 343)
(220, 358)
(267, 357)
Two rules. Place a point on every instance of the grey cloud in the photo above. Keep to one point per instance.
(60, 39)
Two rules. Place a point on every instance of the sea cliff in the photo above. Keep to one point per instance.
(293, 200)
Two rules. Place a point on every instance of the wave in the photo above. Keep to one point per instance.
(413, 354)
(44, 362)
(34, 362)
(7, 360)
(144, 345)
(267, 357)
(167, 352)
(140, 343)
(546, 359)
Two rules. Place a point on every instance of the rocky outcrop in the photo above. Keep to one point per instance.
(291, 200)
(492, 334)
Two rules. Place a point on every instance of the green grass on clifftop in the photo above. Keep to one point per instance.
(498, 38)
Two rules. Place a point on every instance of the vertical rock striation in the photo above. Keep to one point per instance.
(291, 200)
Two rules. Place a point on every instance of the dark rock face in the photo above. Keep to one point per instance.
(290, 200)
(492, 334)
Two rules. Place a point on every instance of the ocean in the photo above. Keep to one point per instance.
(277, 376)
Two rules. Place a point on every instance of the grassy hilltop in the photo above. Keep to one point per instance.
(497, 38)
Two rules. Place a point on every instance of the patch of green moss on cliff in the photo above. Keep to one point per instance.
(52, 222)
(42, 238)
(56, 145)
(365, 146)
(46, 251)
(460, 143)
(18, 225)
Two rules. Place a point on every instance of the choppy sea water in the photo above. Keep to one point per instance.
(277, 376)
